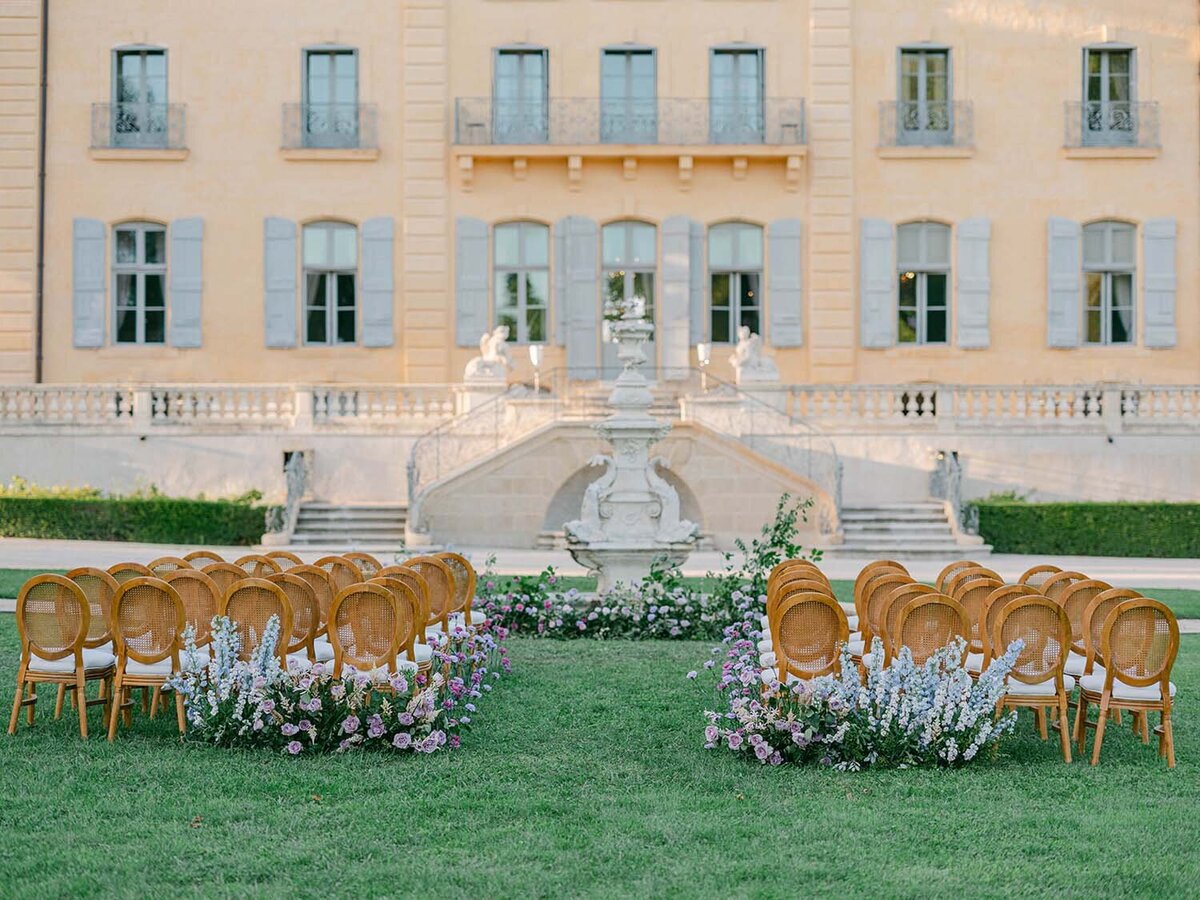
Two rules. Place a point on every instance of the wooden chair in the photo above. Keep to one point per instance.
(324, 590)
(367, 564)
(1075, 598)
(343, 571)
(930, 622)
(971, 595)
(127, 571)
(250, 604)
(148, 624)
(811, 627)
(942, 582)
(871, 622)
(201, 558)
(284, 559)
(788, 573)
(419, 654)
(201, 600)
(368, 629)
(306, 617)
(100, 588)
(1037, 576)
(258, 566)
(462, 573)
(796, 581)
(993, 605)
(1037, 679)
(789, 567)
(420, 586)
(1139, 642)
(440, 582)
(960, 580)
(893, 604)
(1053, 586)
(869, 571)
(226, 575)
(53, 623)
(165, 564)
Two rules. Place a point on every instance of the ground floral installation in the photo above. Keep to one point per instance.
(306, 710)
(661, 606)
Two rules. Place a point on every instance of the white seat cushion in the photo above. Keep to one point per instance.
(93, 661)
(423, 653)
(868, 659)
(1094, 684)
(763, 622)
(974, 663)
(768, 660)
(477, 618)
(856, 648)
(402, 665)
(1040, 689)
(770, 675)
(855, 635)
(161, 668)
(853, 622)
(1075, 664)
(766, 645)
(323, 650)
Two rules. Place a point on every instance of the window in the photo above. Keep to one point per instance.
(521, 262)
(1108, 94)
(330, 98)
(736, 96)
(735, 255)
(519, 97)
(1109, 264)
(628, 97)
(330, 292)
(629, 250)
(140, 283)
(924, 113)
(923, 260)
(139, 115)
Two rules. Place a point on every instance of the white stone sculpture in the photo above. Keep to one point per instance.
(749, 363)
(494, 360)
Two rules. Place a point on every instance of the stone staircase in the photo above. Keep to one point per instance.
(374, 526)
(905, 530)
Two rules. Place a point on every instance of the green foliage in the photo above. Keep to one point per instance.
(1165, 530)
(160, 520)
(776, 543)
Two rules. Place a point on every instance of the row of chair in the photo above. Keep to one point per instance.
(1118, 645)
(125, 627)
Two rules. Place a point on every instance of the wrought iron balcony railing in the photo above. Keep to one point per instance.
(1112, 123)
(139, 126)
(927, 123)
(482, 121)
(343, 126)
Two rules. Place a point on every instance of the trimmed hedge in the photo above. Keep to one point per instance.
(1165, 530)
(152, 520)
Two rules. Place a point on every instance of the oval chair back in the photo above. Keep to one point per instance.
(306, 612)
(930, 622)
(1075, 599)
(99, 587)
(408, 605)
(284, 559)
(1140, 641)
(323, 589)
(993, 605)
(256, 565)
(1043, 627)
(366, 629)
(1094, 617)
(201, 599)
(250, 603)
(127, 571)
(462, 574)
(1053, 586)
(367, 564)
(201, 558)
(891, 614)
(877, 592)
(790, 567)
(869, 571)
(810, 629)
(226, 575)
(440, 580)
(420, 587)
(942, 582)
(165, 564)
(53, 619)
(148, 623)
(797, 582)
(959, 581)
(1036, 576)
(971, 595)
(344, 572)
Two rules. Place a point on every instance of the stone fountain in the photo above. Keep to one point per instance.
(630, 515)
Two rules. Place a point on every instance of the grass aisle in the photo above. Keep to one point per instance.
(586, 775)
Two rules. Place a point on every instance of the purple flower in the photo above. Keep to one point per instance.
(734, 740)
(288, 729)
(350, 725)
(402, 741)
(776, 758)
(762, 751)
(268, 706)
(405, 719)
(455, 740)
(691, 676)
(304, 725)
(711, 733)
(294, 747)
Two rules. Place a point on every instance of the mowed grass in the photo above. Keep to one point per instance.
(586, 776)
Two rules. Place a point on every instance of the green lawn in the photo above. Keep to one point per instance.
(586, 776)
(12, 579)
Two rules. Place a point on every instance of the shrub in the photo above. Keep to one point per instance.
(1091, 529)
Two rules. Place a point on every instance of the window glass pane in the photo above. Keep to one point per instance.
(126, 326)
(126, 245)
(536, 239)
(156, 246)
(535, 320)
(536, 288)
(316, 245)
(345, 326)
(749, 318)
(506, 291)
(906, 330)
(1093, 244)
(1121, 326)
(720, 290)
(155, 325)
(314, 328)
(316, 290)
(935, 326)
(909, 78)
(937, 244)
(1093, 286)
(614, 244)
(749, 246)
(936, 77)
(345, 291)
(126, 290)
(720, 247)
(749, 293)
(935, 289)
(1093, 62)
(507, 252)
(643, 286)
(154, 291)
(1123, 252)
(508, 318)
(614, 286)
(1092, 325)
(908, 246)
(1118, 62)
(1122, 290)
(345, 248)
(642, 239)
(720, 326)
(908, 289)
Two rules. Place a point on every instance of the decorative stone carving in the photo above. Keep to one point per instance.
(749, 363)
(494, 360)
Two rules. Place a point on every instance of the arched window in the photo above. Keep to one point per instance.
(630, 263)
(923, 262)
(1109, 265)
(139, 283)
(735, 259)
(521, 275)
(330, 283)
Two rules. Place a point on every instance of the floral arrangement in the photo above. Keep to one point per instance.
(305, 709)
(903, 715)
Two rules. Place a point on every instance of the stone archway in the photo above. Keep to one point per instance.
(565, 503)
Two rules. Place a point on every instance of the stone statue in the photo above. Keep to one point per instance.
(671, 528)
(494, 360)
(588, 526)
(748, 361)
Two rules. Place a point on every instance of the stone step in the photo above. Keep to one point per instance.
(395, 539)
(855, 516)
(947, 550)
(350, 518)
(355, 507)
(898, 527)
(901, 506)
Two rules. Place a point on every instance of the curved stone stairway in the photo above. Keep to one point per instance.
(917, 528)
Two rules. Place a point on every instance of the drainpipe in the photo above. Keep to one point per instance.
(39, 291)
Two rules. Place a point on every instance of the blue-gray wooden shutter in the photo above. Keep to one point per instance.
(784, 295)
(87, 288)
(582, 297)
(186, 261)
(974, 286)
(674, 312)
(1064, 282)
(877, 285)
(560, 281)
(279, 281)
(698, 283)
(1158, 257)
(470, 280)
(378, 284)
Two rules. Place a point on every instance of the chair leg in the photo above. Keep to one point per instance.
(1064, 739)
(58, 701)
(16, 710)
(155, 696)
(179, 712)
(146, 700)
(1081, 709)
(81, 697)
(31, 707)
(118, 695)
(1169, 735)
(1100, 723)
(1039, 716)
